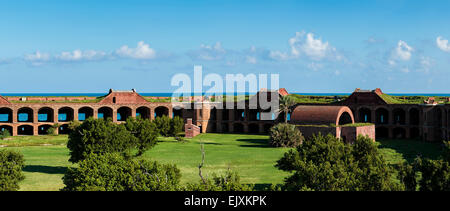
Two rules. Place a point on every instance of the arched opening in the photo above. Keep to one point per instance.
(5, 115)
(399, 116)
(365, 115)
(225, 128)
(225, 114)
(105, 113)
(161, 111)
(414, 116)
(123, 113)
(267, 128)
(414, 133)
(211, 127)
(239, 115)
(238, 128)
(45, 114)
(345, 118)
(253, 128)
(26, 130)
(382, 116)
(25, 115)
(63, 129)
(399, 133)
(42, 129)
(65, 114)
(143, 112)
(178, 111)
(253, 114)
(6, 127)
(85, 113)
(381, 132)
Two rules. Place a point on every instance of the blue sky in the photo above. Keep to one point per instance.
(315, 46)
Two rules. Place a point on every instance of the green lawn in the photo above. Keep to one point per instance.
(46, 157)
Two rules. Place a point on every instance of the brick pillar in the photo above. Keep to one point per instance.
(75, 114)
(14, 116)
(35, 130)
(356, 115)
(14, 130)
(261, 128)
(133, 112)
(35, 115)
(373, 116)
(55, 116)
(95, 113)
(230, 127)
(152, 114)
(114, 115)
(391, 117)
(231, 114)
(171, 113)
(245, 127)
(407, 118)
(390, 132)
(408, 133)
(219, 120)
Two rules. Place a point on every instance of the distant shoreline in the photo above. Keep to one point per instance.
(170, 94)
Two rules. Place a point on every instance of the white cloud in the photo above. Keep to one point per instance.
(251, 59)
(305, 45)
(208, 52)
(402, 52)
(142, 51)
(78, 55)
(37, 58)
(442, 44)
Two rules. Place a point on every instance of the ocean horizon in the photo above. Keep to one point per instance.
(162, 94)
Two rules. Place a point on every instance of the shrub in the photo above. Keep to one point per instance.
(163, 125)
(4, 134)
(52, 130)
(113, 172)
(99, 136)
(228, 182)
(324, 163)
(145, 133)
(177, 125)
(285, 135)
(11, 164)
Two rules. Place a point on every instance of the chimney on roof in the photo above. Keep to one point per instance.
(111, 90)
(378, 91)
(134, 90)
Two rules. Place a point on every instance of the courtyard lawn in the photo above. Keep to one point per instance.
(46, 157)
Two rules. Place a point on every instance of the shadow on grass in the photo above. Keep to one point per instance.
(261, 143)
(411, 148)
(262, 186)
(45, 169)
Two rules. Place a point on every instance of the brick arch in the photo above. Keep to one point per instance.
(161, 111)
(382, 115)
(144, 112)
(124, 113)
(68, 111)
(365, 114)
(87, 111)
(49, 111)
(25, 129)
(42, 129)
(320, 115)
(6, 114)
(399, 115)
(106, 111)
(25, 110)
(7, 127)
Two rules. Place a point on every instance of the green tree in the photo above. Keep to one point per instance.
(99, 136)
(177, 125)
(114, 172)
(286, 103)
(325, 163)
(163, 125)
(145, 133)
(11, 164)
(285, 135)
(4, 134)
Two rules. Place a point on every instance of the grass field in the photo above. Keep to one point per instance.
(46, 157)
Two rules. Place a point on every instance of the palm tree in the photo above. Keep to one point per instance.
(286, 103)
